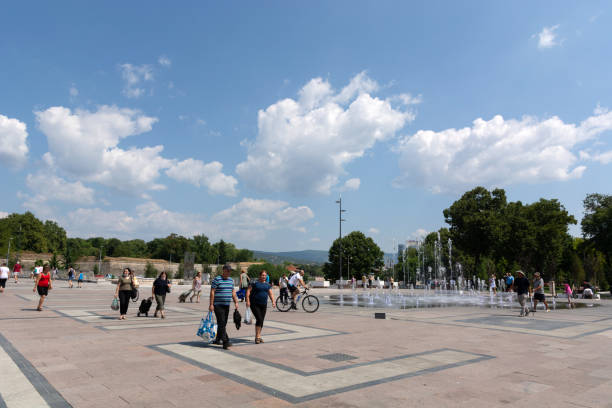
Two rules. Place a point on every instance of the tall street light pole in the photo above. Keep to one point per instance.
(8, 252)
(340, 220)
(100, 260)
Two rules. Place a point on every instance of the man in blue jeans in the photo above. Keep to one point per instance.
(222, 293)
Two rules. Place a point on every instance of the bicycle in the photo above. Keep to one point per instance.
(310, 303)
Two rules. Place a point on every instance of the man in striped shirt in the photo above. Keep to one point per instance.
(221, 295)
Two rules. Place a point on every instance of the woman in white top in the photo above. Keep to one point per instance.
(196, 287)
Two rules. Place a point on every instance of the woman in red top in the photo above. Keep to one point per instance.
(43, 285)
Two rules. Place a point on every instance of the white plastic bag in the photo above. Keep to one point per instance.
(247, 316)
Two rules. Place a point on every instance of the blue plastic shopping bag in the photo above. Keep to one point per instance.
(208, 328)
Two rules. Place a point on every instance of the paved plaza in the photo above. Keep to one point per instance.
(76, 353)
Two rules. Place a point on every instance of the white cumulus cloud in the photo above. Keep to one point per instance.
(134, 76)
(248, 220)
(547, 38)
(497, 152)
(374, 231)
(46, 186)
(303, 145)
(13, 142)
(351, 184)
(164, 61)
(209, 175)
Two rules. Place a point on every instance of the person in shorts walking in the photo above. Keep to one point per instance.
(257, 299)
(70, 277)
(538, 292)
(16, 271)
(80, 280)
(196, 288)
(222, 293)
(43, 285)
(4, 275)
(521, 286)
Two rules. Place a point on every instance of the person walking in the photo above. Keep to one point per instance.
(257, 299)
(16, 271)
(282, 285)
(492, 284)
(244, 283)
(124, 292)
(196, 287)
(4, 276)
(70, 277)
(161, 286)
(538, 292)
(222, 293)
(80, 280)
(509, 282)
(521, 285)
(43, 285)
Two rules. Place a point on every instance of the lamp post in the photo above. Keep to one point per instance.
(100, 260)
(340, 220)
(8, 252)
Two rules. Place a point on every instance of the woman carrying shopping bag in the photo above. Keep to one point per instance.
(257, 299)
(124, 292)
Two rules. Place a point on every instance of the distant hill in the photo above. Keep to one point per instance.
(308, 256)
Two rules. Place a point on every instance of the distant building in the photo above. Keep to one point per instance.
(411, 243)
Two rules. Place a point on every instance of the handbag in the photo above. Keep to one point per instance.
(208, 328)
(237, 319)
(115, 304)
(247, 316)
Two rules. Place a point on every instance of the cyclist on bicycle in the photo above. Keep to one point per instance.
(294, 282)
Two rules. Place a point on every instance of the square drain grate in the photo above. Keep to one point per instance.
(337, 357)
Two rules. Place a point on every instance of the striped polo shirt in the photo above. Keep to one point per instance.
(223, 290)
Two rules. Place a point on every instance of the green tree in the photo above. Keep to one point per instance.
(597, 227)
(55, 236)
(150, 271)
(363, 252)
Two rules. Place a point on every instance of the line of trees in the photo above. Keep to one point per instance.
(28, 233)
(491, 235)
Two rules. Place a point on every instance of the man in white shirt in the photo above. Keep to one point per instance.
(294, 282)
(4, 275)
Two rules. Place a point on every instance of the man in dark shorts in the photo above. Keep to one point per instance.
(294, 282)
(4, 275)
(521, 285)
(538, 292)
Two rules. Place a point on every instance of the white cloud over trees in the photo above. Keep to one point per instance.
(13, 143)
(303, 145)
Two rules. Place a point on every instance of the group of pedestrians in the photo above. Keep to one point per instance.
(223, 293)
(523, 289)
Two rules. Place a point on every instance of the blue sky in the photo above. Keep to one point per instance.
(245, 121)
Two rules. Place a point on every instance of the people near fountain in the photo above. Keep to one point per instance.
(43, 285)
(587, 290)
(569, 294)
(538, 292)
(370, 281)
(509, 282)
(492, 284)
(222, 293)
(196, 287)
(16, 271)
(4, 275)
(257, 296)
(295, 282)
(521, 286)
(391, 283)
(124, 292)
(282, 285)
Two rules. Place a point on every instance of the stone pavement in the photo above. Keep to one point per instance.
(76, 353)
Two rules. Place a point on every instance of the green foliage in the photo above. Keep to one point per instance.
(96, 270)
(491, 235)
(363, 252)
(274, 271)
(54, 261)
(150, 271)
(180, 273)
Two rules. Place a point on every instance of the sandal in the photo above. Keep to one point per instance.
(258, 340)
